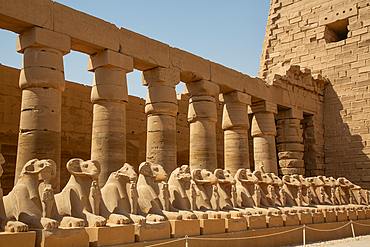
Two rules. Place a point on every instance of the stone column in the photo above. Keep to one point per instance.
(289, 139)
(109, 96)
(161, 109)
(263, 131)
(235, 124)
(42, 83)
(202, 116)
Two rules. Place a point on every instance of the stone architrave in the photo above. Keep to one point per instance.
(109, 96)
(290, 142)
(235, 124)
(161, 109)
(42, 83)
(202, 116)
(263, 131)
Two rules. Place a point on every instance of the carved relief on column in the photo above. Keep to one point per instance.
(235, 124)
(263, 131)
(289, 139)
(202, 116)
(109, 96)
(42, 83)
(161, 109)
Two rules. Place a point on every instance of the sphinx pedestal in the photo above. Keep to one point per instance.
(256, 221)
(111, 235)
(341, 215)
(318, 217)
(361, 215)
(330, 216)
(235, 224)
(291, 219)
(152, 231)
(181, 228)
(15, 239)
(274, 220)
(61, 237)
(212, 226)
(305, 218)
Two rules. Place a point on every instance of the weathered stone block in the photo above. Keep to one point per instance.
(152, 231)
(181, 228)
(212, 226)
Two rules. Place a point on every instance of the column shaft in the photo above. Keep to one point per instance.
(109, 96)
(42, 83)
(161, 109)
(289, 139)
(263, 131)
(235, 124)
(202, 116)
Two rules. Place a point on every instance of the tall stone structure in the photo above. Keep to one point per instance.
(330, 37)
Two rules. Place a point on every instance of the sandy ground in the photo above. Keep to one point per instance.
(335, 242)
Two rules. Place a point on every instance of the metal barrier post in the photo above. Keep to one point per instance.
(353, 230)
(304, 235)
(186, 241)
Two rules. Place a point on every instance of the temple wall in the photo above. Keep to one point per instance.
(77, 123)
(331, 38)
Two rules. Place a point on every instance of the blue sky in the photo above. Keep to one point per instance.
(227, 32)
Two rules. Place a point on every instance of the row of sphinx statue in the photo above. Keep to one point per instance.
(153, 197)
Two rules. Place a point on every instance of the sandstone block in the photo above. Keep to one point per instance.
(291, 163)
(42, 77)
(235, 224)
(235, 97)
(361, 215)
(256, 221)
(295, 147)
(40, 37)
(291, 171)
(281, 139)
(330, 216)
(290, 155)
(341, 215)
(191, 67)
(318, 217)
(291, 113)
(202, 87)
(109, 58)
(305, 218)
(147, 53)
(291, 219)
(227, 78)
(20, 17)
(152, 231)
(212, 226)
(263, 123)
(351, 214)
(88, 33)
(264, 106)
(274, 221)
(181, 228)
(12, 239)
(111, 235)
(235, 116)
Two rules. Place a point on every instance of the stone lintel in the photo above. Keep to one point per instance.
(40, 37)
(235, 97)
(264, 106)
(202, 87)
(109, 58)
(164, 76)
(290, 113)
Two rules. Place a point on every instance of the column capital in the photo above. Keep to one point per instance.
(164, 76)
(110, 59)
(264, 106)
(40, 37)
(290, 113)
(202, 88)
(235, 97)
